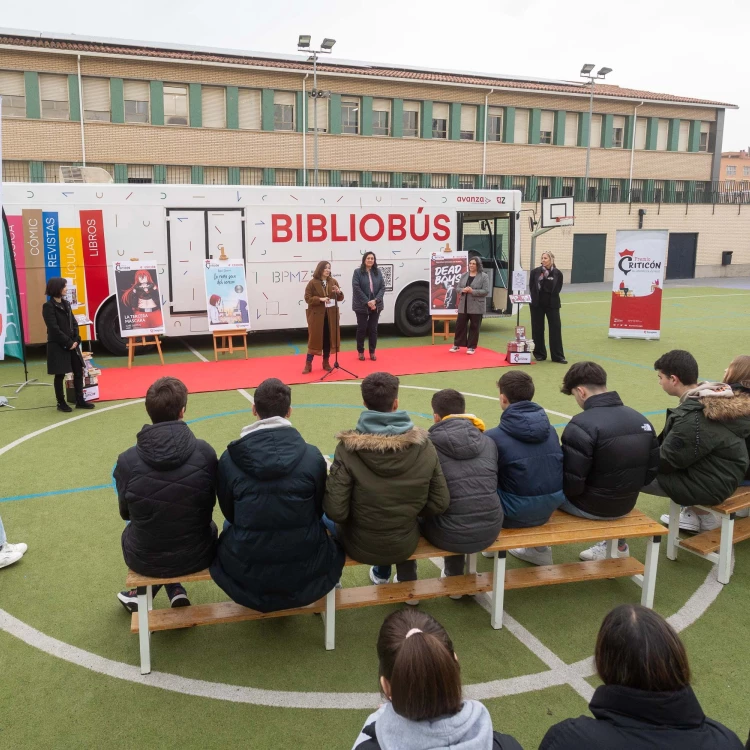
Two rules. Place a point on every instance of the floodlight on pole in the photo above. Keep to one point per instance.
(304, 41)
(327, 44)
(586, 69)
(603, 72)
(586, 72)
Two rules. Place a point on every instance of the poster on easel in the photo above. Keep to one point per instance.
(638, 278)
(226, 295)
(139, 301)
(446, 268)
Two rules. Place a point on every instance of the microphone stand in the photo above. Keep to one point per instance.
(336, 365)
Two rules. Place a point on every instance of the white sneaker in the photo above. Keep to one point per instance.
(599, 552)
(455, 597)
(470, 351)
(454, 349)
(410, 602)
(488, 554)
(377, 580)
(9, 556)
(20, 547)
(534, 555)
(691, 521)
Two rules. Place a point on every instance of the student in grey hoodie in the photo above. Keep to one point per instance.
(420, 678)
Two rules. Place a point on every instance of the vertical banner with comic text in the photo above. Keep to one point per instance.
(138, 302)
(446, 269)
(640, 261)
(226, 295)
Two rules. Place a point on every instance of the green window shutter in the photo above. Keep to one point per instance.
(557, 185)
(648, 189)
(608, 124)
(481, 118)
(425, 180)
(479, 182)
(301, 178)
(627, 141)
(531, 188)
(426, 116)
(397, 122)
(196, 108)
(334, 114)
(535, 119)
(160, 174)
(652, 130)
(507, 183)
(269, 173)
(299, 113)
(674, 137)
(670, 186)
(334, 178)
(121, 173)
(233, 176)
(266, 109)
(36, 170)
(74, 98)
(233, 111)
(558, 134)
(196, 175)
(117, 100)
(366, 179)
(365, 120)
(694, 139)
(624, 191)
(584, 127)
(157, 102)
(690, 191)
(454, 122)
(604, 188)
(580, 187)
(396, 179)
(509, 125)
(33, 103)
(453, 181)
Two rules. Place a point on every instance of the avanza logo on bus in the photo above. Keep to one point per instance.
(368, 227)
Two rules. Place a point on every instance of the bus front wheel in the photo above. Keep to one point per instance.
(108, 330)
(412, 316)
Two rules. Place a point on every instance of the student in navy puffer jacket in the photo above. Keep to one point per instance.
(530, 459)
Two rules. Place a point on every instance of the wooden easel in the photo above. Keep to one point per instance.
(445, 333)
(145, 341)
(224, 342)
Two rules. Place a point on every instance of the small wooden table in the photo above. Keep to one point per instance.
(445, 333)
(144, 341)
(224, 342)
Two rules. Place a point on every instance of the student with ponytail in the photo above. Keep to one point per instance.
(420, 678)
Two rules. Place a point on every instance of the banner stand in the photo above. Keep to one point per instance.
(224, 342)
(144, 341)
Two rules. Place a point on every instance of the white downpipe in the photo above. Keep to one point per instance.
(484, 145)
(632, 150)
(304, 130)
(80, 112)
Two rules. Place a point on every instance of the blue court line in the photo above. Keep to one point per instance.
(294, 346)
(55, 492)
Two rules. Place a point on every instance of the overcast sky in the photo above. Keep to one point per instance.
(685, 47)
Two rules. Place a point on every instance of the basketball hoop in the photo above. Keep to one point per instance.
(560, 219)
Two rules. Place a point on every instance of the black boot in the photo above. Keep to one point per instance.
(81, 402)
(63, 406)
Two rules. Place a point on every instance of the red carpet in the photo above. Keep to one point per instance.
(117, 383)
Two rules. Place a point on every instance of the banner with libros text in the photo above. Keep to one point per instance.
(640, 261)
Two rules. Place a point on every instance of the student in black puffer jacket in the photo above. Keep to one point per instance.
(274, 552)
(166, 486)
(646, 701)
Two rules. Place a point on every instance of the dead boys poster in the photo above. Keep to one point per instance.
(138, 299)
(446, 269)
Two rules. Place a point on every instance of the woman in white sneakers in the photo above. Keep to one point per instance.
(9, 553)
(473, 287)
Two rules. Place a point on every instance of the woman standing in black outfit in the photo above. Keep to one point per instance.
(545, 285)
(368, 288)
(63, 344)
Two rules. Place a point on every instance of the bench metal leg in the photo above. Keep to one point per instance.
(612, 550)
(145, 604)
(674, 530)
(329, 620)
(649, 572)
(725, 548)
(498, 591)
(471, 563)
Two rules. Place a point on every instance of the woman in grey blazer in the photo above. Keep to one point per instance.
(473, 287)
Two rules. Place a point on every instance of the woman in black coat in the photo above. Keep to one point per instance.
(646, 700)
(368, 288)
(63, 344)
(545, 285)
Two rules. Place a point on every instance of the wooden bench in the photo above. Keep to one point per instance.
(561, 529)
(733, 529)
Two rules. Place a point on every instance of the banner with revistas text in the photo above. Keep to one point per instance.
(640, 261)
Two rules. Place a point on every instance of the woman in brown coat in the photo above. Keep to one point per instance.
(323, 335)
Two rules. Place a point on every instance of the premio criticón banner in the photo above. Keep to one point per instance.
(640, 260)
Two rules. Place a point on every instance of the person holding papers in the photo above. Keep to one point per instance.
(322, 295)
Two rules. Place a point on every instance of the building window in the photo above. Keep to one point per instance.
(176, 105)
(641, 129)
(439, 181)
(411, 120)
(13, 92)
(54, 94)
(731, 170)
(595, 134)
(468, 122)
(636, 191)
(381, 116)
(683, 137)
(614, 192)
(249, 111)
(495, 124)
(440, 113)
(521, 129)
(466, 182)
(543, 188)
(95, 94)
(288, 177)
(571, 129)
(409, 180)
(568, 185)
(283, 112)
(592, 195)
(52, 171)
(381, 179)
(213, 109)
(251, 176)
(139, 174)
(546, 126)
(662, 135)
(618, 131)
(492, 182)
(179, 175)
(519, 183)
(746, 171)
(137, 97)
(215, 175)
(322, 105)
(324, 177)
(108, 168)
(351, 179)
(658, 191)
(350, 116)
(705, 131)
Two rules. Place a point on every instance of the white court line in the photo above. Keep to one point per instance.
(664, 299)
(241, 391)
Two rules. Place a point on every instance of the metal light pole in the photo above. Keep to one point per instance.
(303, 45)
(600, 74)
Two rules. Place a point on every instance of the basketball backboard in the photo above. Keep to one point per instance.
(558, 212)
